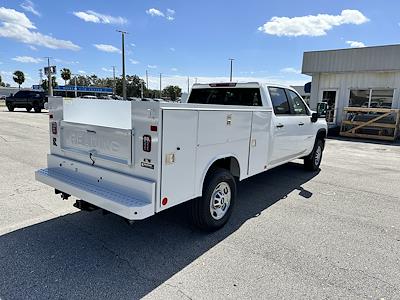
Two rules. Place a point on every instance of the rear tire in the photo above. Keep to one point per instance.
(28, 108)
(211, 211)
(37, 109)
(313, 161)
(10, 107)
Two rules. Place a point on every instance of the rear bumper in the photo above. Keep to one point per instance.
(127, 196)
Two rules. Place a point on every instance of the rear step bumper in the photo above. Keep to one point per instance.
(134, 200)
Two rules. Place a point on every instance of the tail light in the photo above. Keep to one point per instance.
(147, 143)
(54, 127)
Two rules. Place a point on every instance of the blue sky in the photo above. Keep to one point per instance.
(187, 38)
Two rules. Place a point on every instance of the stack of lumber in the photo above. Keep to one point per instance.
(371, 123)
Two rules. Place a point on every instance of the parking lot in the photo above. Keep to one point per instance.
(293, 234)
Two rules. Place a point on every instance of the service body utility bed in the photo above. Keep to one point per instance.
(138, 158)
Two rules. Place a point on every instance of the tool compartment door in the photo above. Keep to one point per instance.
(179, 147)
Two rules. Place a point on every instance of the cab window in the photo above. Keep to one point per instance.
(20, 94)
(279, 101)
(226, 96)
(297, 105)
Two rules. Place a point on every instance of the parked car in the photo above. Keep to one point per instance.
(27, 99)
(138, 158)
(89, 97)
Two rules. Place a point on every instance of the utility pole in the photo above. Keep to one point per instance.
(160, 84)
(230, 77)
(147, 80)
(195, 80)
(40, 76)
(123, 64)
(142, 88)
(49, 83)
(76, 88)
(188, 82)
(114, 82)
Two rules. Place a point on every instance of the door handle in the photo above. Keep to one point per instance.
(280, 126)
(301, 124)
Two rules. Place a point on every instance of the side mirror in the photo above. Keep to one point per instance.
(314, 117)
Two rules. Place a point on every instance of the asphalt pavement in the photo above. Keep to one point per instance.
(333, 234)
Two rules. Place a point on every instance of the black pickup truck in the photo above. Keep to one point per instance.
(27, 99)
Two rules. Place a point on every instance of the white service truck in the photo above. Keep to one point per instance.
(138, 158)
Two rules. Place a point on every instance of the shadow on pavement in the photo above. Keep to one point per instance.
(87, 255)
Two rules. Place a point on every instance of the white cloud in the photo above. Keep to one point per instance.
(154, 12)
(152, 66)
(27, 59)
(95, 17)
(67, 62)
(174, 69)
(135, 62)
(169, 14)
(107, 48)
(133, 45)
(172, 49)
(106, 70)
(290, 70)
(81, 72)
(311, 25)
(29, 6)
(33, 48)
(11, 16)
(16, 25)
(355, 44)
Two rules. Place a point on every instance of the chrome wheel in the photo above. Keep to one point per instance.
(318, 155)
(220, 200)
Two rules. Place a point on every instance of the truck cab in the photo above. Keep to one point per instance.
(138, 158)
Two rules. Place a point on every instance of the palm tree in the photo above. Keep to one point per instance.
(66, 75)
(19, 78)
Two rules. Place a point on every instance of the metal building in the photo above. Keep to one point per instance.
(359, 77)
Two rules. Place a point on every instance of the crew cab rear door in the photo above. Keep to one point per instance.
(302, 115)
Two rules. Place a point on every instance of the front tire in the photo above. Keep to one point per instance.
(211, 211)
(28, 108)
(313, 161)
(37, 109)
(10, 107)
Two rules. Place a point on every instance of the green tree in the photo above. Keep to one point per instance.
(66, 75)
(19, 78)
(45, 83)
(2, 84)
(133, 86)
(172, 92)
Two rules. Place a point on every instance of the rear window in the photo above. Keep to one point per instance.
(226, 96)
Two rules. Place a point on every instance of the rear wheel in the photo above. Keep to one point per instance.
(10, 107)
(211, 211)
(37, 109)
(313, 161)
(28, 108)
